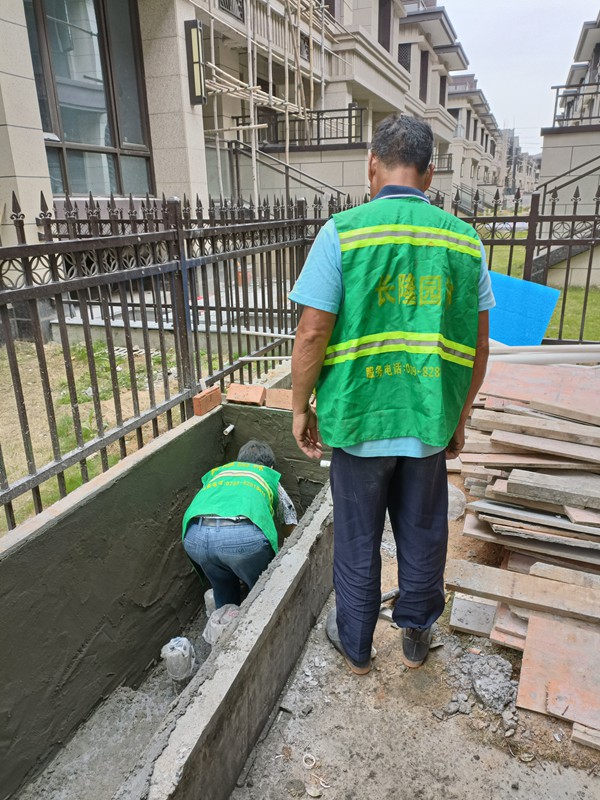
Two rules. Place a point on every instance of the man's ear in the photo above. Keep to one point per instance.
(372, 161)
(371, 174)
(428, 177)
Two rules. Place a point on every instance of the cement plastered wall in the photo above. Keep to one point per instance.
(205, 739)
(90, 590)
(301, 477)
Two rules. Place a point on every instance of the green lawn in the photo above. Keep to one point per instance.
(509, 261)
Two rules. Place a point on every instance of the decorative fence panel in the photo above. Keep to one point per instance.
(119, 315)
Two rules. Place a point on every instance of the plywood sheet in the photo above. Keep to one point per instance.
(570, 386)
(590, 737)
(541, 444)
(473, 615)
(531, 592)
(531, 460)
(488, 507)
(559, 673)
(562, 430)
(498, 490)
(565, 575)
(580, 489)
(583, 516)
(481, 530)
(578, 413)
(507, 622)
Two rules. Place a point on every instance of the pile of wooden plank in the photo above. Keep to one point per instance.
(532, 466)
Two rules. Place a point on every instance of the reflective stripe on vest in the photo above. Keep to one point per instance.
(415, 235)
(240, 473)
(400, 341)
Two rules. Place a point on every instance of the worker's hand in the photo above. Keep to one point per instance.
(456, 443)
(306, 433)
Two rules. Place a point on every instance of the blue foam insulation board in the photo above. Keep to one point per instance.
(522, 311)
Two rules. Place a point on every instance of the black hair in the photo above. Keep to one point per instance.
(255, 452)
(401, 140)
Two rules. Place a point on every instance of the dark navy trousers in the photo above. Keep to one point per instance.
(415, 493)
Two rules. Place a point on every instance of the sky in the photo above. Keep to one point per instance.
(518, 49)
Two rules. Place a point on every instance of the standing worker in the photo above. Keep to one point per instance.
(394, 335)
(229, 528)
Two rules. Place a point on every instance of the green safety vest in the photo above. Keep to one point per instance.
(238, 489)
(400, 358)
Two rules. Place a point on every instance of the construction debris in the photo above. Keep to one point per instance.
(531, 464)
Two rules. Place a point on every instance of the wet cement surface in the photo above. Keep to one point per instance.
(94, 763)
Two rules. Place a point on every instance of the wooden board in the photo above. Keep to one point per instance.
(473, 615)
(500, 403)
(528, 527)
(517, 562)
(540, 444)
(568, 386)
(559, 673)
(540, 536)
(475, 471)
(477, 442)
(577, 413)
(590, 737)
(498, 490)
(527, 460)
(528, 516)
(580, 489)
(562, 430)
(564, 575)
(481, 530)
(507, 622)
(584, 516)
(507, 639)
(538, 594)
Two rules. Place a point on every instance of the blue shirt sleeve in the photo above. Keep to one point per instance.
(486, 296)
(320, 283)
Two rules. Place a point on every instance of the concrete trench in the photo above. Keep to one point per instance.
(92, 588)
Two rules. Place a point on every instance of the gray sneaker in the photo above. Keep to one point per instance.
(357, 667)
(415, 646)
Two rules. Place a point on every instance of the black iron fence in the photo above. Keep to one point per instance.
(117, 318)
(121, 313)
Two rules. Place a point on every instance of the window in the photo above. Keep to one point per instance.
(424, 75)
(474, 130)
(385, 24)
(86, 58)
(443, 85)
(468, 128)
(404, 51)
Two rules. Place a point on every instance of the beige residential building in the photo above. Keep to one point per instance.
(477, 143)
(571, 151)
(252, 98)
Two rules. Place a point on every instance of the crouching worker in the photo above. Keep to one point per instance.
(229, 529)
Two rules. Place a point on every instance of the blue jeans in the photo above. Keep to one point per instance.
(414, 491)
(227, 554)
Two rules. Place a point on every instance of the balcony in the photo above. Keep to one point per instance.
(576, 106)
(332, 127)
(443, 163)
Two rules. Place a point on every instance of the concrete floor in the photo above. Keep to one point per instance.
(95, 761)
(377, 736)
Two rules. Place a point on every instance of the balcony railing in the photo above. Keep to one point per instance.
(328, 127)
(443, 163)
(576, 105)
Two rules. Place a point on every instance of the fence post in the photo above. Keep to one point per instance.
(181, 301)
(532, 225)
